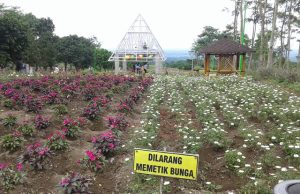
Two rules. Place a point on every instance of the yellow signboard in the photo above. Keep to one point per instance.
(184, 166)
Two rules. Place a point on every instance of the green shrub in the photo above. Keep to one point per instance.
(12, 142)
(8, 103)
(10, 121)
(234, 159)
(60, 109)
(27, 129)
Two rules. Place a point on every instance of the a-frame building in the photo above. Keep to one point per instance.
(138, 45)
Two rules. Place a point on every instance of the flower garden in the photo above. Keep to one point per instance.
(58, 134)
(245, 132)
(77, 134)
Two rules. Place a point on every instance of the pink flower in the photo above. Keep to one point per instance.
(91, 155)
(43, 151)
(94, 139)
(37, 144)
(111, 146)
(65, 130)
(98, 165)
(64, 182)
(3, 166)
(19, 166)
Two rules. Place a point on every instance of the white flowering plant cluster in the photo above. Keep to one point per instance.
(253, 128)
(256, 125)
(206, 102)
(150, 122)
(177, 104)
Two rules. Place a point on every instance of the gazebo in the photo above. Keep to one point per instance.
(138, 46)
(228, 54)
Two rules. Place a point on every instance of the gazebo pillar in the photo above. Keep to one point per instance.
(124, 65)
(157, 64)
(117, 65)
(237, 63)
(243, 65)
(206, 64)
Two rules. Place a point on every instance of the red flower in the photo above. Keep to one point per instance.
(64, 182)
(111, 146)
(94, 139)
(91, 155)
(19, 166)
(3, 166)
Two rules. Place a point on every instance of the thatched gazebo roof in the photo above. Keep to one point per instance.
(225, 47)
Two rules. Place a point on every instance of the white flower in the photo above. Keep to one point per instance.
(166, 182)
(283, 169)
(126, 159)
(296, 156)
(208, 183)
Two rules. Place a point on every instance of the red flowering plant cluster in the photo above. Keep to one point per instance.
(106, 143)
(41, 122)
(37, 85)
(75, 183)
(147, 82)
(70, 90)
(135, 95)
(35, 155)
(117, 123)
(11, 176)
(32, 104)
(88, 93)
(57, 141)
(51, 98)
(93, 160)
(71, 127)
(91, 111)
(125, 106)
(101, 101)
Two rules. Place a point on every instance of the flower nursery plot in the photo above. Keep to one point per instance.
(61, 134)
(77, 134)
(246, 133)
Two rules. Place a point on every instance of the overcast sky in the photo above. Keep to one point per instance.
(175, 23)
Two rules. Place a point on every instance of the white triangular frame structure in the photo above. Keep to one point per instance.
(138, 45)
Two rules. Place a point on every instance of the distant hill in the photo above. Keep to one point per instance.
(293, 56)
(176, 55)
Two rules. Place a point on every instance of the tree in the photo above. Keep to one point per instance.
(14, 38)
(254, 18)
(292, 20)
(101, 59)
(270, 54)
(208, 35)
(77, 51)
(262, 13)
(236, 14)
